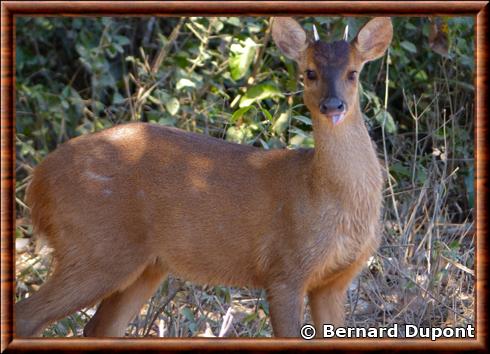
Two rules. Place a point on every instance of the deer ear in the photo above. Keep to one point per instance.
(289, 37)
(374, 38)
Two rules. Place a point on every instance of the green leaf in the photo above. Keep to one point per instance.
(234, 21)
(240, 134)
(250, 318)
(297, 131)
(301, 141)
(106, 21)
(408, 46)
(217, 25)
(421, 75)
(107, 80)
(153, 116)
(372, 98)
(169, 121)
(241, 57)
(454, 245)
(187, 313)
(118, 98)
(172, 105)
(239, 113)
(258, 93)
(182, 83)
(421, 174)
(266, 114)
(399, 171)
(121, 40)
(303, 119)
(384, 118)
(281, 123)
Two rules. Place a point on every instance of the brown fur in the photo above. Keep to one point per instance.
(125, 206)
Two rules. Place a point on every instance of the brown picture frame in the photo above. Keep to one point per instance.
(11, 9)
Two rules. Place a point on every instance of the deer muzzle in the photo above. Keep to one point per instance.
(334, 108)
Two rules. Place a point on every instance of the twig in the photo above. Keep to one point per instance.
(422, 288)
(128, 93)
(163, 52)
(260, 54)
(149, 31)
(227, 321)
(160, 310)
(459, 265)
(393, 200)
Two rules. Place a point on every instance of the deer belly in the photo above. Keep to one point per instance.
(213, 258)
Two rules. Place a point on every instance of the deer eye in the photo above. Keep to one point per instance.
(352, 76)
(310, 74)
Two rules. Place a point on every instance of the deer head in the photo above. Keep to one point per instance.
(331, 69)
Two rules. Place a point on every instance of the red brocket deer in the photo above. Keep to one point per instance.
(124, 207)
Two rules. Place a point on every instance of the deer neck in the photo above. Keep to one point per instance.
(344, 159)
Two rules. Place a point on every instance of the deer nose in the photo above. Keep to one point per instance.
(332, 105)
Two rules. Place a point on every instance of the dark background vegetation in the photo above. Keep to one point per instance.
(224, 77)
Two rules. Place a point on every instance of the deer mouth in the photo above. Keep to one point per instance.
(336, 117)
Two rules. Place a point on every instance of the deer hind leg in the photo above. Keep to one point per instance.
(73, 286)
(115, 311)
